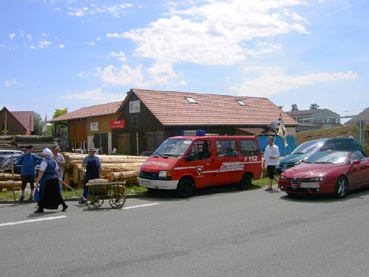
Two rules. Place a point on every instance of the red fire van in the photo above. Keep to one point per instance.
(187, 162)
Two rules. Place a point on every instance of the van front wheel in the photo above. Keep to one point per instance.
(185, 187)
(246, 181)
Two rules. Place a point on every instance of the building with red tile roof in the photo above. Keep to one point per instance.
(145, 118)
(16, 122)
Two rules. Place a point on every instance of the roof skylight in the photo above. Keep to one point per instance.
(191, 100)
(241, 102)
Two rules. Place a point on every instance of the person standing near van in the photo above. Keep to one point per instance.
(28, 161)
(92, 165)
(271, 158)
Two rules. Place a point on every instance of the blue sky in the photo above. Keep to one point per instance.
(58, 54)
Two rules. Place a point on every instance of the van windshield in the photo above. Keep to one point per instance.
(173, 147)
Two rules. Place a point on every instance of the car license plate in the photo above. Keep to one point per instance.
(310, 185)
(144, 182)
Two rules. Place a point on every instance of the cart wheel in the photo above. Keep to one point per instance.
(93, 202)
(117, 200)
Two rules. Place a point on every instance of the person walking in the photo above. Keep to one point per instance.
(28, 161)
(271, 158)
(92, 166)
(60, 161)
(48, 178)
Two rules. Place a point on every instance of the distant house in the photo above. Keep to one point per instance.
(313, 119)
(151, 116)
(16, 122)
(363, 116)
(87, 127)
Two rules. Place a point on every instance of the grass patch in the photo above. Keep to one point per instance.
(263, 182)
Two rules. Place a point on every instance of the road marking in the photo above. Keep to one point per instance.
(32, 220)
(140, 206)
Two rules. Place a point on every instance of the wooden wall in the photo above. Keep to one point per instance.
(346, 131)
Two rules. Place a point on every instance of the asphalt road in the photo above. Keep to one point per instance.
(221, 232)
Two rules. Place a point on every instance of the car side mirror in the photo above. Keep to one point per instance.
(356, 161)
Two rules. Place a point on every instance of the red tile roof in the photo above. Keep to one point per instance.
(97, 110)
(25, 118)
(171, 108)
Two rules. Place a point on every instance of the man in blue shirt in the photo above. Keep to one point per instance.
(28, 161)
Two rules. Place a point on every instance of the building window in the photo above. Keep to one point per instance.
(153, 140)
(241, 102)
(134, 120)
(191, 100)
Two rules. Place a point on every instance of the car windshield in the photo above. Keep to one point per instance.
(173, 147)
(307, 147)
(328, 157)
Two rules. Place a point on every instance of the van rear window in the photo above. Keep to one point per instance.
(249, 147)
(226, 148)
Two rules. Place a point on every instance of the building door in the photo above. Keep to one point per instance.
(101, 141)
(124, 145)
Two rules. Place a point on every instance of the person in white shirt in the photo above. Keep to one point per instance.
(271, 158)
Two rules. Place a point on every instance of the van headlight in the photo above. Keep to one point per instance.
(163, 174)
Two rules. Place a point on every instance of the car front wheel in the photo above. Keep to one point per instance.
(341, 187)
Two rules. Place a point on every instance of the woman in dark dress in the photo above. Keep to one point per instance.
(48, 178)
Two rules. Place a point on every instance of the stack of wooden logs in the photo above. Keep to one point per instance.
(117, 168)
(19, 142)
(10, 181)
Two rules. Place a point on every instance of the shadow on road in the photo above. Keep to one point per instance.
(356, 194)
(171, 195)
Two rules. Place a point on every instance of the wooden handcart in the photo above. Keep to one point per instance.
(100, 190)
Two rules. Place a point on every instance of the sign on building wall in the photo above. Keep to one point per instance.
(117, 124)
(94, 126)
(134, 106)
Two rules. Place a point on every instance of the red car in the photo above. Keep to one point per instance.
(327, 172)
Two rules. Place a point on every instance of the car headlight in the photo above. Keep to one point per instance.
(298, 162)
(163, 174)
(283, 177)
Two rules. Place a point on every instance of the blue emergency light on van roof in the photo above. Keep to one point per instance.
(193, 133)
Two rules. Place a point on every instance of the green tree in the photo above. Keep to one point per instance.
(57, 113)
(37, 124)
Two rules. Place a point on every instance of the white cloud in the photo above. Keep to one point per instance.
(274, 81)
(120, 55)
(163, 74)
(97, 96)
(12, 83)
(123, 75)
(214, 33)
(61, 46)
(114, 35)
(158, 74)
(90, 8)
(44, 43)
(12, 36)
(82, 74)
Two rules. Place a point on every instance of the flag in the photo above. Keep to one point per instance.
(282, 132)
(44, 125)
